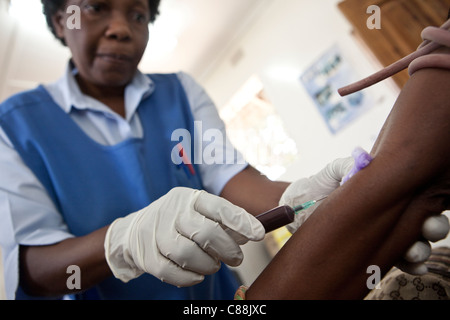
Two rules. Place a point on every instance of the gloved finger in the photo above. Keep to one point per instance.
(237, 237)
(417, 269)
(331, 177)
(300, 218)
(153, 262)
(173, 274)
(187, 254)
(337, 169)
(328, 179)
(293, 227)
(229, 215)
(418, 252)
(436, 228)
(296, 193)
(210, 237)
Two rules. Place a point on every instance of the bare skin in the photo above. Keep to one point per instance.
(378, 214)
(253, 191)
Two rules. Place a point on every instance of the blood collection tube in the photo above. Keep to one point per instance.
(271, 220)
(276, 218)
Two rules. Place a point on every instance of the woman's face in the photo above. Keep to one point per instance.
(111, 40)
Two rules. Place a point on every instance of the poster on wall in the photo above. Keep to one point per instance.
(322, 81)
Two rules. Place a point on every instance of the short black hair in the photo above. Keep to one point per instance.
(51, 7)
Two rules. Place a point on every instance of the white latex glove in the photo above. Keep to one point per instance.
(179, 238)
(328, 179)
(313, 188)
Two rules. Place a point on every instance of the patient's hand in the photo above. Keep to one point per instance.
(435, 228)
(436, 199)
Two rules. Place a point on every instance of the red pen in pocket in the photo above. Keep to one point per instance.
(185, 159)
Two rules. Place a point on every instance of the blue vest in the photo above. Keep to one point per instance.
(92, 184)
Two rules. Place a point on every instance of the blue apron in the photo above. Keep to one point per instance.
(92, 184)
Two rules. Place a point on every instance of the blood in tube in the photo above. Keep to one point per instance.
(276, 218)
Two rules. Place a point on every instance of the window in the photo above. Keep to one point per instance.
(256, 130)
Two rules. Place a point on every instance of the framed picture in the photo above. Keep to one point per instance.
(322, 81)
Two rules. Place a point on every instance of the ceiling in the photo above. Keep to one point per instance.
(190, 35)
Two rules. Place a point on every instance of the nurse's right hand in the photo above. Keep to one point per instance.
(180, 238)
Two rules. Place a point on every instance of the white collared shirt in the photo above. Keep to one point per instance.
(27, 213)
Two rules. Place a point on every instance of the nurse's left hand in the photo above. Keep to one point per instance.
(314, 187)
(331, 177)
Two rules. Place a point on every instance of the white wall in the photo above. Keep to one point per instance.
(28, 56)
(6, 25)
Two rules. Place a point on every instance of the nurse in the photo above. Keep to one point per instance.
(88, 177)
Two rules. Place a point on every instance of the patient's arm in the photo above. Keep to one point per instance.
(378, 214)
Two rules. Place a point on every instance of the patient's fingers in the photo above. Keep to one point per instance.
(413, 262)
(436, 228)
(416, 269)
(418, 252)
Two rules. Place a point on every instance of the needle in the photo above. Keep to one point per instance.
(307, 205)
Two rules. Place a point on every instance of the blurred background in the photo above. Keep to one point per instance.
(271, 66)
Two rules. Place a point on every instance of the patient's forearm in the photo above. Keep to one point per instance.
(378, 214)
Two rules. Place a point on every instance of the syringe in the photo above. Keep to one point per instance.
(283, 215)
(307, 205)
(276, 218)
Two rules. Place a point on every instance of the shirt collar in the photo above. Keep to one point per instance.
(68, 95)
